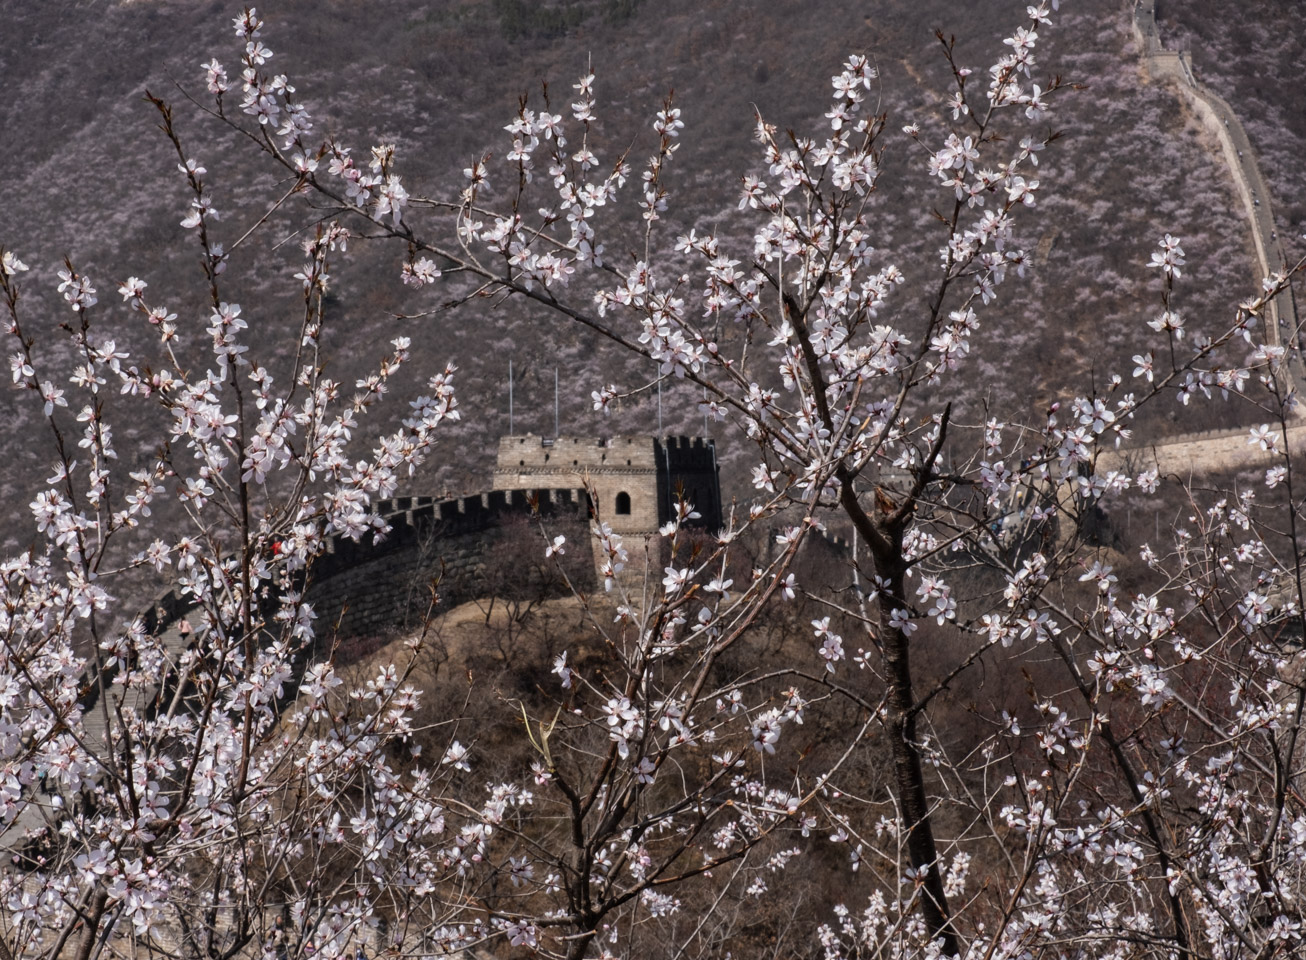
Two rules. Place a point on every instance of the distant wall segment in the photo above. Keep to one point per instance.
(1218, 117)
(1212, 452)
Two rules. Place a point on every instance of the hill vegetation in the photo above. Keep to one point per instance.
(83, 161)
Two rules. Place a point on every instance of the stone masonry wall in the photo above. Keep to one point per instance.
(465, 548)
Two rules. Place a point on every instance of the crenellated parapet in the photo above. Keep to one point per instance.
(460, 548)
(456, 550)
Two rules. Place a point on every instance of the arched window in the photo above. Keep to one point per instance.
(623, 503)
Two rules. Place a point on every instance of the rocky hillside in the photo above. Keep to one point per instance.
(87, 175)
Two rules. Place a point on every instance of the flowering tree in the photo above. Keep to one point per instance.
(236, 794)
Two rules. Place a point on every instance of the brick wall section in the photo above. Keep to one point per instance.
(473, 546)
(487, 543)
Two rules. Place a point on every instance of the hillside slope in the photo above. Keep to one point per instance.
(87, 175)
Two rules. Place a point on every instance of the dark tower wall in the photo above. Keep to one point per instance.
(688, 466)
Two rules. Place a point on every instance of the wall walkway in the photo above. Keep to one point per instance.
(1219, 118)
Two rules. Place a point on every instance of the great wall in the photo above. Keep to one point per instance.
(371, 586)
(451, 547)
(368, 588)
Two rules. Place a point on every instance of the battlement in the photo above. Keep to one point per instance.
(688, 453)
(573, 455)
(380, 582)
(467, 544)
(406, 510)
(417, 518)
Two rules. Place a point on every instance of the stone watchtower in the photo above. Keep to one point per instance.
(636, 479)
